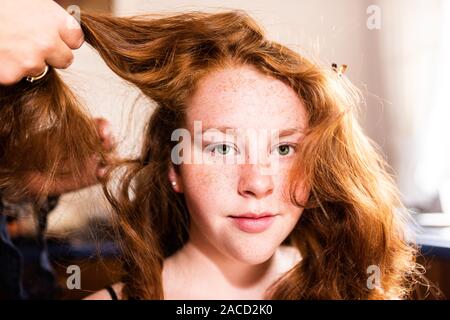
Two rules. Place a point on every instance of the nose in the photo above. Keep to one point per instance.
(254, 182)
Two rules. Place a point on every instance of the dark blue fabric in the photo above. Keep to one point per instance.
(38, 281)
(11, 264)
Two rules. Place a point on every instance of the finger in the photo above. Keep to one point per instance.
(101, 172)
(104, 131)
(108, 143)
(102, 127)
(70, 32)
(9, 74)
(34, 68)
(27, 61)
(60, 56)
(38, 183)
(72, 182)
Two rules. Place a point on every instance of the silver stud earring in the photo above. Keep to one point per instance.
(174, 183)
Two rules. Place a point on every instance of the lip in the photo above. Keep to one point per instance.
(253, 222)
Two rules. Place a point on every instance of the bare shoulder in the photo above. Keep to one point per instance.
(104, 294)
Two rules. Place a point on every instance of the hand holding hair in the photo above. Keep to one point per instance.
(34, 34)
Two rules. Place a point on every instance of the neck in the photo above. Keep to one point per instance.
(200, 267)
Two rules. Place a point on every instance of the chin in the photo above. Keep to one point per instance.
(252, 255)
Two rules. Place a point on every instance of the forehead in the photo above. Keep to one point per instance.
(243, 97)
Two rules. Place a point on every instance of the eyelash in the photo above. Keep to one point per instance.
(211, 148)
(291, 145)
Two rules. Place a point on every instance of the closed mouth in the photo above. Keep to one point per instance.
(253, 215)
(253, 222)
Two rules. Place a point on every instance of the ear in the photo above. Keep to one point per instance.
(175, 179)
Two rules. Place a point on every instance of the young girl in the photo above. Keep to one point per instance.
(303, 209)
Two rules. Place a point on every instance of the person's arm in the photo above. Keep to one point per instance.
(33, 34)
(93, 169)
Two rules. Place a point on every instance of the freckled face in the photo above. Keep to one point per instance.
(244, 99)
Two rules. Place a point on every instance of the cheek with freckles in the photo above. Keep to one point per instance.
(211, 194)
(208, 187)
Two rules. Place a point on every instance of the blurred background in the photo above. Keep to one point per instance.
(397, 54)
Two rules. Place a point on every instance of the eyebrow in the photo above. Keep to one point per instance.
(281, 133)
